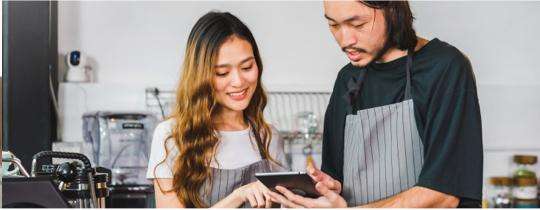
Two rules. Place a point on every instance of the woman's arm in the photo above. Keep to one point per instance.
(166, 199)
(255, 193)
(231, 201)
(169, 199)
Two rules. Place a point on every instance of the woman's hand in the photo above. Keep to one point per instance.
(255, 193)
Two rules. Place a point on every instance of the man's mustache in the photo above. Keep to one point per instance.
(357, 49)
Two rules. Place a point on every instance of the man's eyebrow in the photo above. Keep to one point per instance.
(329, 18)
(353, 18)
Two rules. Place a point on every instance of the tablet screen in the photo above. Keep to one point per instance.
(298, 182)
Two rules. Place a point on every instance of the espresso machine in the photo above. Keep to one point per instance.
(121, 142)
(70, 184)
(82, 185)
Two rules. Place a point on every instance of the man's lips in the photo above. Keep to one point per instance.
(353, 55)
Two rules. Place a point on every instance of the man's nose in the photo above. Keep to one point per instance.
(348, 37)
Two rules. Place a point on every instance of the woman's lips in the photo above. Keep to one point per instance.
(238, 96)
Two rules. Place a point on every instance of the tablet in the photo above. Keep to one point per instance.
(299, 183)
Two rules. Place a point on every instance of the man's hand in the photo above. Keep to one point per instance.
(319, 176)
(329, 198)
(328, 187)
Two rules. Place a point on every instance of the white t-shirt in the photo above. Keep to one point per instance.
(235, 150)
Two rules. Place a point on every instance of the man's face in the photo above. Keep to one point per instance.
(359, 30)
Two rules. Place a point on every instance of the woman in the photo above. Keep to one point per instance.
(207, 153)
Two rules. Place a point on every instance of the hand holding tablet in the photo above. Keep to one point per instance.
(299, 183)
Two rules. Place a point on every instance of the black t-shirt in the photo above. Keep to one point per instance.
(446, 110)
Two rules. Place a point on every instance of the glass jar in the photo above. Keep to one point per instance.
(525, 188)
(525, 166)
(499, 193)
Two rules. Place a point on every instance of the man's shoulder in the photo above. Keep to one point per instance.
(444, 63)
(444, 59)
(444, 53)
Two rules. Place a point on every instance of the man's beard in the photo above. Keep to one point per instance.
(382, 51)
(378, 55)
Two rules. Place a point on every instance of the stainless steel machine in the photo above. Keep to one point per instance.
(121, 142)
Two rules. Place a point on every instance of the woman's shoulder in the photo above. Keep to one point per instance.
(161, 150)
(276, 140)
(275, 131)
(162, 132)
(165, 127)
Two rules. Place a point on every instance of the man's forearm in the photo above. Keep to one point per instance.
(416, 197)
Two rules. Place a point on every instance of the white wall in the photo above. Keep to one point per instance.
(139, 44)
(134, 45)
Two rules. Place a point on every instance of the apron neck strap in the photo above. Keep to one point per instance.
(258, 139)
(408, 70)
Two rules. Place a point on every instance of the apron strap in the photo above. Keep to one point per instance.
(354, 86)
(258, 139)
(408, 69)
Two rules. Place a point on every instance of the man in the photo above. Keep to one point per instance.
(403, 127)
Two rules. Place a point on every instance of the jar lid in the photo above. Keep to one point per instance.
(500, 181)
(525, 181)
(525, 159)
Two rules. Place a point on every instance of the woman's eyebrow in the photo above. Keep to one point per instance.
(247, 59)
(229, 65)
(222, 65)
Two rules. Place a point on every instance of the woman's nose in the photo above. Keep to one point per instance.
(236, 78)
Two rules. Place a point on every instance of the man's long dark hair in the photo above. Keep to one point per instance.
(399, 24)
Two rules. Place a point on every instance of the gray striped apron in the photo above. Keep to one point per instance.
(225, 181)
(383, 152)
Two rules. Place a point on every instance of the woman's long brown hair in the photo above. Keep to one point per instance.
(194, 133)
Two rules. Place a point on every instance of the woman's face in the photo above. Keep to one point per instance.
(236, 74)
